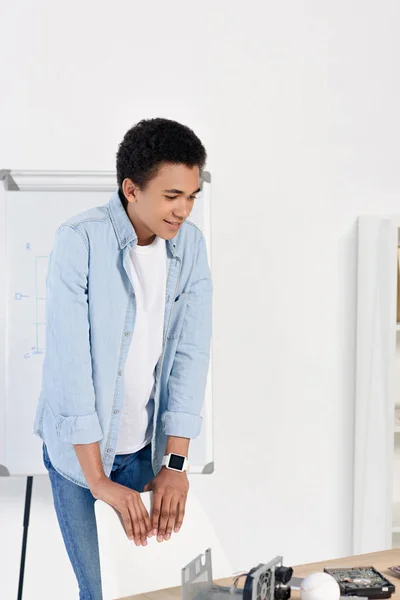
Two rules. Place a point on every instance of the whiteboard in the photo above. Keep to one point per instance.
(28, 221)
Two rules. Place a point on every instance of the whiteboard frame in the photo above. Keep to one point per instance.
(23, 180)
(3, 332)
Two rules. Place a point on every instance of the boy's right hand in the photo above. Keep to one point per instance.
(130, 507)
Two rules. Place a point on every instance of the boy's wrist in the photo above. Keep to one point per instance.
(177, 445)
(96, 483)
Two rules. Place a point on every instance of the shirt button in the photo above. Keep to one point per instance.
(116, 412)
(123, 240)
(120, 372)
(132, 295)
(109, 450)
(127, 333)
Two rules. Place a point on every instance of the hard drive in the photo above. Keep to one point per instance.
(362, 581)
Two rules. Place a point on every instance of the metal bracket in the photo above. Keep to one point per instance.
(197, 581)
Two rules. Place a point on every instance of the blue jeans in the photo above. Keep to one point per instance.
(75, 513)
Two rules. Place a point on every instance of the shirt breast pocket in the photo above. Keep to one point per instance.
(178, 315)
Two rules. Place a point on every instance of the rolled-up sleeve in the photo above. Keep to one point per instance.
(188, 378)
(67, 368)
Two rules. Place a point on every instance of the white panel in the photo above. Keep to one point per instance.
(374, 418)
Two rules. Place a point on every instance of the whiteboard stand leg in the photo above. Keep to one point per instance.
(27, 512)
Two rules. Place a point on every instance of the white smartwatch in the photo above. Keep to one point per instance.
(176, 462)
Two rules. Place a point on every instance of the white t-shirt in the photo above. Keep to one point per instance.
(149, 272)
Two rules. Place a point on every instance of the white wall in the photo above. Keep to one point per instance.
(297, 104)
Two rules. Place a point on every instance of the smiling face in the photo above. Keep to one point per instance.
(164, 204)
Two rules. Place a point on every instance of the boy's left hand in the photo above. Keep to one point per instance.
(170, 489)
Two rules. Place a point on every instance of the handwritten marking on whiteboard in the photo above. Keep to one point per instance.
(33, 351)
(38, 297)
(37, 350)
(28, 246)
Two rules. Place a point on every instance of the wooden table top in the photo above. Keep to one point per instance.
(380, 560)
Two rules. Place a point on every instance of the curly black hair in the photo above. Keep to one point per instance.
(152, 142)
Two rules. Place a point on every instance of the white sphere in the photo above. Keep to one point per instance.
(319, 586)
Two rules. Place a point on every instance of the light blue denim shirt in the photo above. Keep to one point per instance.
(90, 318)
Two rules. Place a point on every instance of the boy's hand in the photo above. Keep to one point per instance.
(170, 489)
(130, 507)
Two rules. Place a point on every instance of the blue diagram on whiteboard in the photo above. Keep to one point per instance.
(38, 333)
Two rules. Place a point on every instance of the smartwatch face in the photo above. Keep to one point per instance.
(176, 462)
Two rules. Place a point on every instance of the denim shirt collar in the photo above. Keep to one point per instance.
(123, 227)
